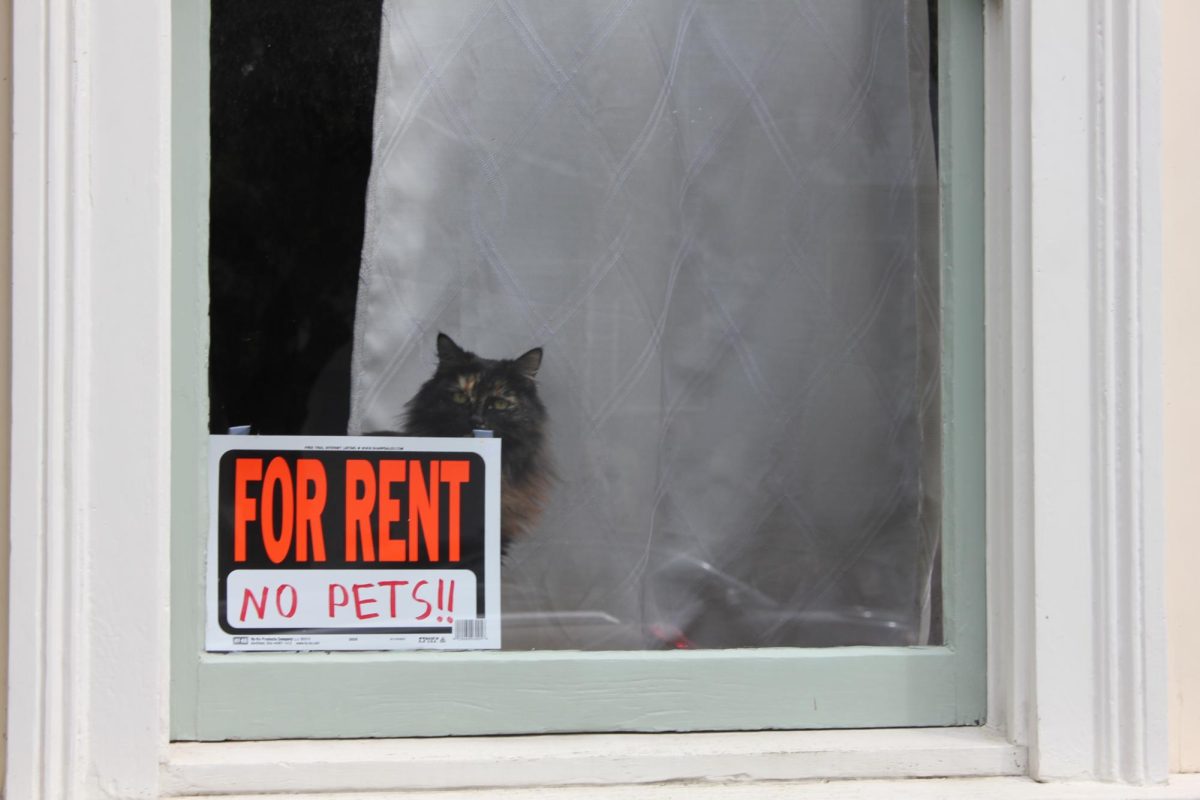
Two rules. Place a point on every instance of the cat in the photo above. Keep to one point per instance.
(467, 392)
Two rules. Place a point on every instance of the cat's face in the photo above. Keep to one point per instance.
(468, 392)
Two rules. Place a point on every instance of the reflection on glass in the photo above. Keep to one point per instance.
(718, 221)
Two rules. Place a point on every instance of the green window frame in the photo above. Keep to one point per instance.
(357, 695)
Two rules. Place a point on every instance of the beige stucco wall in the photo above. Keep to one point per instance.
(5, 359)
(1181, 330)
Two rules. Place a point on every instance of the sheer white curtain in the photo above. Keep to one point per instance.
(719, 220)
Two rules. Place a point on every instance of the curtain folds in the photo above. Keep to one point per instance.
(720, 221)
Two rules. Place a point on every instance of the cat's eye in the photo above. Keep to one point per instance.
(459, 397)
(500, 404)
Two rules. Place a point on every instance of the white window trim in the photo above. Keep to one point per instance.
(1077, 676)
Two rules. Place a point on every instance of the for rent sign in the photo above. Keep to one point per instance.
(353, 543)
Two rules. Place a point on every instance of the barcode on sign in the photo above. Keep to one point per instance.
(470, 629)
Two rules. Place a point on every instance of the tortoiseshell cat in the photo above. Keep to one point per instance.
(468, 392)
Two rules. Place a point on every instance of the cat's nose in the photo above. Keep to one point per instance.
(476, 420)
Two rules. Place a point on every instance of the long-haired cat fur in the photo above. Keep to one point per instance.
(467, 392)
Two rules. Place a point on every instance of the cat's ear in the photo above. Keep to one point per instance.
(528, 363)
(447, 350)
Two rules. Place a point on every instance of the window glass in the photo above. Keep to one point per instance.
(714, 223)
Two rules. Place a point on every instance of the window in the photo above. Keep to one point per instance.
(686, 397)
(1071, 392)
